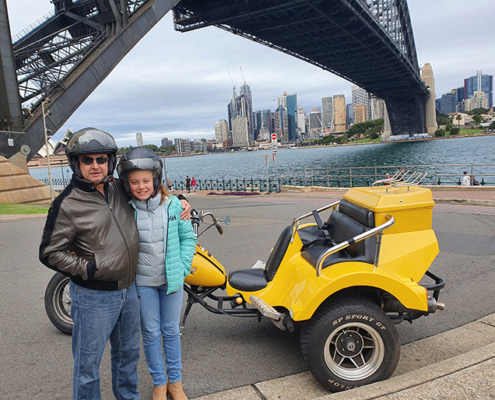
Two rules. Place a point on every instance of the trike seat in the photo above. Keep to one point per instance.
(257, 278)
(349, 221)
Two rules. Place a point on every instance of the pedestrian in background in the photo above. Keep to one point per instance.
(466, 180)
(193, 184)
(188, 184)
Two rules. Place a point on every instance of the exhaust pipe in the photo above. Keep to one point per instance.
(434, 305)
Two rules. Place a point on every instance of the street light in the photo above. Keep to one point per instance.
(46, 131)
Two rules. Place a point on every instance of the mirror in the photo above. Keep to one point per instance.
(227, 220)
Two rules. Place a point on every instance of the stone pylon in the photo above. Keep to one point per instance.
(17, 186)
(387, 129)
(431, 114)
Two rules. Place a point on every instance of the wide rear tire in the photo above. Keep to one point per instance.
(350, 342)
(58, 303)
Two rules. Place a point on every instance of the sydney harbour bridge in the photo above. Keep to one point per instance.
(68, 52)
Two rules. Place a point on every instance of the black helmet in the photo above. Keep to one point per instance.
(91, 141)
(140, 158)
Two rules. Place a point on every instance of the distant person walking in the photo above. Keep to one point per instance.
(193, 184)
(188, 184)
(169, 186)
(466, 180)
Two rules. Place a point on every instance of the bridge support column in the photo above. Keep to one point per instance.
(387, 129)
(431, 113)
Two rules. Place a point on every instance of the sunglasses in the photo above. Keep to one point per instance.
(90, 160)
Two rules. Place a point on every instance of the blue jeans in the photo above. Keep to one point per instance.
(100, 316)
(160, 316)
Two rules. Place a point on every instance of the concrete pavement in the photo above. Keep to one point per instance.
(457, 364)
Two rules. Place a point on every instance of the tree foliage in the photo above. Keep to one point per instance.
(454, 131)
(440, 133)
(444, 119)
(478, 111)
(478, 119)
(368, 129)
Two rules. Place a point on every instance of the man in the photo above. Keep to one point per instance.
(90, 235)
(466, 180)
(188, 184)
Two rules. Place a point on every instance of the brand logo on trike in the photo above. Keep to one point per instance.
(360, 317)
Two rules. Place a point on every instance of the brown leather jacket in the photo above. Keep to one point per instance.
(97, 229)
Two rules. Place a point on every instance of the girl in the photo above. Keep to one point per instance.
(167, 246)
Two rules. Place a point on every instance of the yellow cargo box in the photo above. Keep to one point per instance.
(411, 206)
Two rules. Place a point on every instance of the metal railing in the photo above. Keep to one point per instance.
(451, 174)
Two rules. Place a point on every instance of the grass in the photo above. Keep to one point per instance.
(12, 209)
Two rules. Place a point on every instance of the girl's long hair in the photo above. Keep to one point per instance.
(163, 192)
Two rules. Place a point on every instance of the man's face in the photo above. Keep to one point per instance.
(97, 168)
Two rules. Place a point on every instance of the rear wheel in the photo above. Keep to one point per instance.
(58, 302)
(350, 342)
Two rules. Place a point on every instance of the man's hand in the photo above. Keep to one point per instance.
(186, 214)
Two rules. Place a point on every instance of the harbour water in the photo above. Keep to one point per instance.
(293, 162)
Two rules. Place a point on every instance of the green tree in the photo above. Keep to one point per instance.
(153, 147)
(478, 119)
(492, 125)
(479, 110)
(454, 131)
(458, 119)
(443, 119)
(440, 133)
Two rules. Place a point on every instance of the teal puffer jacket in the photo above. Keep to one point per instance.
(178, 248)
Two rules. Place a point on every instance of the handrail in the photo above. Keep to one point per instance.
(403, 177)
(356, 239)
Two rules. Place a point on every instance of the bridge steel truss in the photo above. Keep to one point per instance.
(64, 56)
(368, 42)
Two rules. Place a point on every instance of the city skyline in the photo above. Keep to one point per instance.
(174, 85)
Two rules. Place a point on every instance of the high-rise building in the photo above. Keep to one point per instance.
(315, 124)
(301, 122)
(221, 131)
(339, 113)
(348, 114)
(359, 113)
(139, 139)
(281, 124)
(240, 132)
(479, 100)
(327, 112)
(166, 142)
(263, 124)
(479, 83)
(360, 96)
(289, 103)
(447, 102)
(182, 146)
(247, 108)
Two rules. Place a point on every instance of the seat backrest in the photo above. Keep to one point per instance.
(278, 253)
(344, 228)
(361, 215)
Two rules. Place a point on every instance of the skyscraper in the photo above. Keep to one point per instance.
(241, 107)
(339, 113)
(327, 112)
(301, 122)
(221, 131)
(139, 139)
(281, 124)
(289, 102)
(247, 108)
(360, 96)
(263, 124)
(359, 113)
(479, 83)
(315, 124)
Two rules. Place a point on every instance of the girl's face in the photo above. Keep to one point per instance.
(141, 184)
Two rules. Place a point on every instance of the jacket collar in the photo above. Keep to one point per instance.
(88, 186)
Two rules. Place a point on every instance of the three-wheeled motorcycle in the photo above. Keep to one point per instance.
(345, 282)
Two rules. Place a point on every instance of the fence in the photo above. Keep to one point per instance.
(337, 177)
(365, 176)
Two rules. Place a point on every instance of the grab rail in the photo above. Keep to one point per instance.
(375, 231)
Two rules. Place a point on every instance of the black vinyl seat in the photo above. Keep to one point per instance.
(349, 221)
(251, 280)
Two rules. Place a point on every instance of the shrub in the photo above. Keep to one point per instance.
(439, 133)
(454, 131)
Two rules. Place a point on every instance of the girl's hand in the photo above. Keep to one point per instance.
(186, 214)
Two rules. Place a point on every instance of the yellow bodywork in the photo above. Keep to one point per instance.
(408, 248)
(205, 270)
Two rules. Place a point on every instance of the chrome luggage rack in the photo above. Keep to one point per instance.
(402, 178)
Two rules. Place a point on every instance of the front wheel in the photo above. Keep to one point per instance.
(58, 302)
(350, 342)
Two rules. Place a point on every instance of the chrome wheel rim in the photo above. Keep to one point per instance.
(62, 302)
(354, 351)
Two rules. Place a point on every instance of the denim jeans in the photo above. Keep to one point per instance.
(160, 316)
(100, 316)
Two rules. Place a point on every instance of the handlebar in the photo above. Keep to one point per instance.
(197, 217)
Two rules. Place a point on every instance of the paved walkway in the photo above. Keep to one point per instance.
(458, 364)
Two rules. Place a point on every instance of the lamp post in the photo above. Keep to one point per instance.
(45, 113)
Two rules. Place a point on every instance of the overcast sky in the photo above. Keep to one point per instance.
(177, 84)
